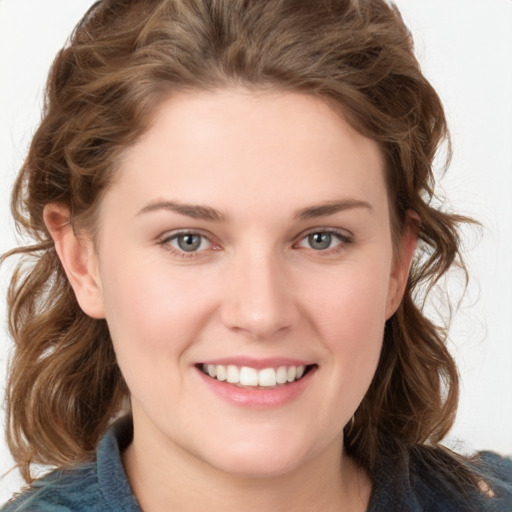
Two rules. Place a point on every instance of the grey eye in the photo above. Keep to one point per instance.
(320, 241)
(189, 242)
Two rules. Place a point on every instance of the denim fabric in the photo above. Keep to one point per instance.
(413, 481)
(99, 486)
(402, 482)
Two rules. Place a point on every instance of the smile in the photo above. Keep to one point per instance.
(246, 376)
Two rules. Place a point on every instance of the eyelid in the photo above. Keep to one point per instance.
(164, 241)
(346, 237)
(342, 233)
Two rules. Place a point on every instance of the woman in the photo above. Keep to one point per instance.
(231, 209)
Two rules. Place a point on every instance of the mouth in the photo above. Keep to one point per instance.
(253, 378)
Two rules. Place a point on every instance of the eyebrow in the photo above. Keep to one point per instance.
(189, 210)
(330, 208)
(212, 214)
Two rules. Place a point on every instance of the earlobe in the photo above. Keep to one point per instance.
(78, 259)
(402, 264)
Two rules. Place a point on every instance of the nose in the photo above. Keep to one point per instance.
(258, 297)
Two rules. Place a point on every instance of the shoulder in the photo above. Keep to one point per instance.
(436, 479)
(98, 486)
(480, 483)
(496, 477)
(59, 491)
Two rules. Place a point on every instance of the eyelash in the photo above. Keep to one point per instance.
(344, 239)
(166, 243)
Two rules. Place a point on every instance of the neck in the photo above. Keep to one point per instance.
(173, 479)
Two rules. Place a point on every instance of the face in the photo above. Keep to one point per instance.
(245, 267)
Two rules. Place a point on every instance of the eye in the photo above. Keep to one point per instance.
(320, 241)
(187, 242)
(323, 240)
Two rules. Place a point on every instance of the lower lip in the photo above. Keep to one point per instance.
(260, 398)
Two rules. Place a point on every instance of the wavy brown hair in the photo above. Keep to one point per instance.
(122, 59)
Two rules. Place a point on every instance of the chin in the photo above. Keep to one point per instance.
(257, 459)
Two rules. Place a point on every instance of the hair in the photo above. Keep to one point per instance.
(125, 57)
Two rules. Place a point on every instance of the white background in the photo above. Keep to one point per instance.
(465, 47)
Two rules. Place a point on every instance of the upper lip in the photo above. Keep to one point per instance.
(258, 364)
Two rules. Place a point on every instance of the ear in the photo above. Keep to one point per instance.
(402, 262)
(78, 259)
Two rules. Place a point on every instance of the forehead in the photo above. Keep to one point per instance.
(266, 147)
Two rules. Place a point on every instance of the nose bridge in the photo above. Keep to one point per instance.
(259, 297)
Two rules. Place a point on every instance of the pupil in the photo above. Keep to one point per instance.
(320, 240)
(189, 243)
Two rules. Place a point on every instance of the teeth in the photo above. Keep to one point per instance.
(292, 373)
(221, 372)
(233, 374)
(250, 377)
(267, 377)
(282, 374)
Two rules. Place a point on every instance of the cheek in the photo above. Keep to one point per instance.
(153, 317)
(350, 315)
(351, 300)
(150, 311)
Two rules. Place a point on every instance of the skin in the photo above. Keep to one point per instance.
(256, 287)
